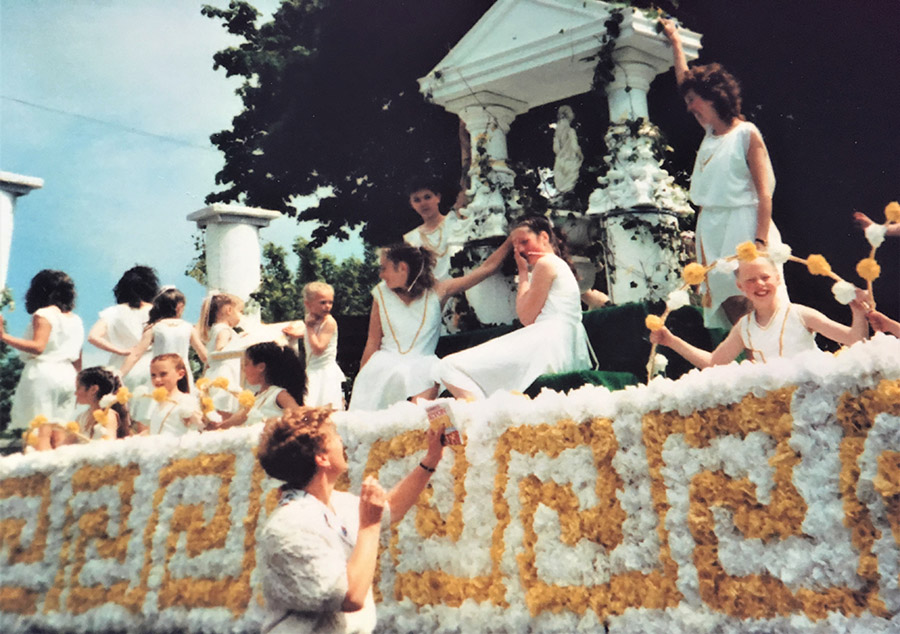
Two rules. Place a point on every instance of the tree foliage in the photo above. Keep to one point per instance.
(10, 368)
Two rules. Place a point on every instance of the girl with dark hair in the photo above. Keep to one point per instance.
(732, 182)
(549, 306)
(119, 328)
(436, 229)
(167, 332)
(405, 324)
(281, 377)
(51, 349)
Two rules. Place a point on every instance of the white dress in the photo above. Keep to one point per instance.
(404, 364)
(265, 406)
(169, 417)
(223, 400)
(438, 241)
(555, 342)
(124, 328)
(47, 384)
(323, 375)
(88, 426)
(174, 336)
(304, 548)
(784, 335)
(721, 184)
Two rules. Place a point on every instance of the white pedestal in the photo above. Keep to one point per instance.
(12, 186)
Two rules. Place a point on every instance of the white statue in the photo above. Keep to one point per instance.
(568, 152)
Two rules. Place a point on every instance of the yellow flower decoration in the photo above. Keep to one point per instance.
(221, 382)
(747, 252)
(892, 211)
(818, 265)
(99, 416)
(160, 395)
(694, 273)
(37, 421)
(203, 384)
(122, 395)
(868, 269)
(654, 322)
(72, 427)
(246, 399)
(31, 438)
(206, 404)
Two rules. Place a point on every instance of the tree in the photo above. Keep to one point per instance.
(10, 369)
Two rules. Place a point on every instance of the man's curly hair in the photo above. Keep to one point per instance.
(288, 445)
(713, 83)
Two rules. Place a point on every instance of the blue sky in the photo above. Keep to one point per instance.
(120, 99)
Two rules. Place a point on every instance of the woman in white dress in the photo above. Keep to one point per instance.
(732, 182)
(120, 327)
(51, 349)
(398, 361)
(436, 231)
(548, 304)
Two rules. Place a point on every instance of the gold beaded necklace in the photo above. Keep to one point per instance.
(391, 327)
(427, 243)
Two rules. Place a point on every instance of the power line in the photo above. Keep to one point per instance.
(111, 124)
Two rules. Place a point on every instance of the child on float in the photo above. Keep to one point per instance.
(548, 303)
(774, 328)
(281, 378)
(323, 375)
(398, 361)
(166, 332)
(51, 349)
(218, 317)
(179, 411)
(436, 229)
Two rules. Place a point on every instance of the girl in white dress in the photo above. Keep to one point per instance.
(218, 318)
(732, 182)
(177, 411)
(120, 327)
(436, 231)
(323, 374)
(775, 328)
(166, 332)
(281, 378)
(548, 304)
(51, 349)
(398, 361)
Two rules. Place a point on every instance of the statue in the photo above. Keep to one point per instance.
(568, 153)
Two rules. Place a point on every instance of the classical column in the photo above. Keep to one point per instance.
(11, 187)
(233, 254)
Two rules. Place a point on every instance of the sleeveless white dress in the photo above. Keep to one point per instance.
(223, 400)
(439, 241)
(266, 406)
(784, 336)
(323, 375)
(174, 335)
(555, 342)
(721, 184)
(404, 364)
(47, 383)
(124, 327)
(169, 417)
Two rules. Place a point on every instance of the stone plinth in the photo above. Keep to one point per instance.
(233, 254)
(11, 187)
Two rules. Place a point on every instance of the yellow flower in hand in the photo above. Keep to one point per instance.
(818, 265)
(206, 404)
(221, 381)
(122, 395)
(37, 421)
(203, 384)
(654, 322)
(160, 395)
(694, 273)
(892, 211)
(72, 427)
(246, 399)
(747, 252)
(868, 269)
(99, 416)
(31, 438)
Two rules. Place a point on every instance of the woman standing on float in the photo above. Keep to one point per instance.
(732, 182)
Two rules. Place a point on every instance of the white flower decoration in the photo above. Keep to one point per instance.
(660, 363)
(726, 267)
(844, 292)
(140, 391)
(107, 401)
(875, 234)
(677, 299)
(779, 253)
(214, 417)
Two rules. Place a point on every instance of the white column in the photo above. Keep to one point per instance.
(11, 187)
(233, 254)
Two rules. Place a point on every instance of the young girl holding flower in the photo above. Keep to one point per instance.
(175, 409)
(218, 318)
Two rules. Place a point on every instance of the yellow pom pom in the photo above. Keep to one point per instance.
(246, 399)
(694, 273)
(654, 322)
(892, 211)
(868, 269)
(747, 252)
(72, 427)
(203, 384)
(122, 395)
(37, 421)
(818, 265)
(31, 438)
(221, 382)
(100, 416)
(206, 404)
(160, 395)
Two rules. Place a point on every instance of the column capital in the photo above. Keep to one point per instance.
(219, 213)
(19, 185)
(479, 109)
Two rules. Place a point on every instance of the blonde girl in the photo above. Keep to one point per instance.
(218, 318)
(179, 411)
(323, 375)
